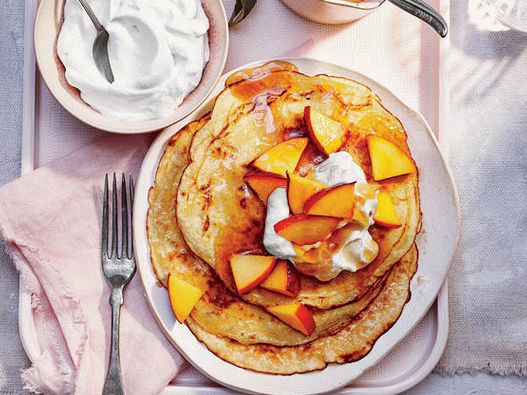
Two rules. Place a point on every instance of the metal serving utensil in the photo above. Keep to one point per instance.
(118, 265)
(424, 12)
(100, 45)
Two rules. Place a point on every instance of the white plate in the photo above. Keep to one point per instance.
(436, 243)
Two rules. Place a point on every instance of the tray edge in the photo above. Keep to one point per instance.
(26, 322)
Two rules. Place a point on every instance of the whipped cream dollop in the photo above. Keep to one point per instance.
(338, 169)
(157, 49)
(277, 210)
(359, 249)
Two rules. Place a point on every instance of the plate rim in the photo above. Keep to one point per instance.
(151, 161)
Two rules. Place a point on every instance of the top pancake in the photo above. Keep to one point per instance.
(218, 214)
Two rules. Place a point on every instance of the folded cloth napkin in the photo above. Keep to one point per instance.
(51, 221)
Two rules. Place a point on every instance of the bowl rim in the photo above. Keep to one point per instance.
(46, 62)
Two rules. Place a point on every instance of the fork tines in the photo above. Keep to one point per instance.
(127, 245)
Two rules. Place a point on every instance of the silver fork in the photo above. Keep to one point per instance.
(118, 265)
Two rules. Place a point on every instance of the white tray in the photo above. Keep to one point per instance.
(410, 362)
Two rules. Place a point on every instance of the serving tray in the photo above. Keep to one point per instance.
(49, 132)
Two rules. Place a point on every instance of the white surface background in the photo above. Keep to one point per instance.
(487, 71)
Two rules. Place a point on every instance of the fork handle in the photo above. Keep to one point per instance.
(114, 382)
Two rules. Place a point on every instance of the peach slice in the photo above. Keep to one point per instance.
(302, 256)
(183, 297)
(296, 315)
(337, 202)
(363, 192)
(385, 215)
(264, 184)
(306, 229)
(249, 271)
(282, 158)
(387, 159)
(299, 189)
(327, 134)
(284, 279)
(360, 218)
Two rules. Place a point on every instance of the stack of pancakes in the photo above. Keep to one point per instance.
(201, 213)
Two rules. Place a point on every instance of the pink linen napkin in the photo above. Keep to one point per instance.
(50, 220)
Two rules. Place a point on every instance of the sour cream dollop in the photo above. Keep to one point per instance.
(339, 168)
(359, 249)
(277, 210)
(158, 50)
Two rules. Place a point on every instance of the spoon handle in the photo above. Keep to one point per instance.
(424, 12)
(91, 14)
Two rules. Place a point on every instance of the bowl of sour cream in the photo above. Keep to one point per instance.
(166, 57)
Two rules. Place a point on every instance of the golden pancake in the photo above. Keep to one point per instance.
(348, 345)
(218, 214)
(168, 251)
(202, 213)
(220, 311)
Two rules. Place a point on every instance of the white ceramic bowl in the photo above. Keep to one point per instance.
(332, 11)
(47, 27)
(437, 244)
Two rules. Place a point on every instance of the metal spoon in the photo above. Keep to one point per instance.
(424, 12)
(100, 45)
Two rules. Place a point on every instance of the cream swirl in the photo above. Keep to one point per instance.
(158, 50)
(359, 249)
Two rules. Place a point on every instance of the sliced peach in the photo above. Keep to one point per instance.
(327, 134)
(282, 158)
(284, 279)
(321, 253)
(264, 184)
(306, 229)
(249, 271)
(183, 297)
(363, 192)
(296, 315)
(337, 202)
(385, 215)
(359, 217)
(303, 256)
(299, 189)
(387, 159)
